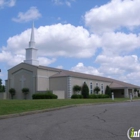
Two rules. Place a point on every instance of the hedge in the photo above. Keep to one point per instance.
(47, 95)
(76, 96)
(96, 96)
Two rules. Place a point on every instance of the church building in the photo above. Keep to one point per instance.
(37, 78)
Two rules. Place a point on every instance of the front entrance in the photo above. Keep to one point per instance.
(118, 93)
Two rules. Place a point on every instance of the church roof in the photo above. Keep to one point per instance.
(66, 73)
(49, 68)
(114, 83)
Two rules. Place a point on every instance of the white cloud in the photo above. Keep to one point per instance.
(126, 68)
(88, 70)
(45, 61)
(68, 3)
(57, 2)
(31, 14)
(12, 3)
(57, 40)
(53, 41)
(66, 40)
(59, 67)
(113, 16)
(119, 43)
(9, 3)
(63, 2)
(11, 59)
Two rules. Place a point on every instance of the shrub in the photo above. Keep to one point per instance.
(76, 88)
(46, 95)
(85, 90)
(2, 87)
(108, 91)
(76, 96)
(97, 96)
(96, 89)
(25, 91)
(12, 92)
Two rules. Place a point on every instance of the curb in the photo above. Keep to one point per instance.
(34, 112)
(58, 108)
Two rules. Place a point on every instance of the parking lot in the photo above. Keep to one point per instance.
(86, 122)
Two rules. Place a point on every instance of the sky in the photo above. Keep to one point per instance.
(99, 37)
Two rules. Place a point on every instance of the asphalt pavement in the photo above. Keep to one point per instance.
(88, 122)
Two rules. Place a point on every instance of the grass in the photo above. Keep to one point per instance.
(19, 106)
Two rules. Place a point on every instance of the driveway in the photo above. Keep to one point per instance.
(92, 122)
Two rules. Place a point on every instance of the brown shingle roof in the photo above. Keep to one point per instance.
(66, 73)
(114, 83)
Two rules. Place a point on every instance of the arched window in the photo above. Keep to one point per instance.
(102, 88)
(91, 88)
(97, 84)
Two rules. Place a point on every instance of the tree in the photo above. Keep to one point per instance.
(25, 91)
(76, 89)
(0, 82)
(108, 91)
(96, 89)
(2, 87)
(85, 90)
(12, 92)
(135, 90)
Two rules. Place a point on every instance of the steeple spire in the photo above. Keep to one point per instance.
(31, 51)
(32, 39)
(32, 33)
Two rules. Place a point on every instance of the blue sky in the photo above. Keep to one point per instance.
(97, 37)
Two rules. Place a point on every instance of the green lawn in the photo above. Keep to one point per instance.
(19, 106)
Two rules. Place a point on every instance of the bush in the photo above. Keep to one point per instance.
(85, 90)
(25, 91)
(76, 96)
(96, 89)
(76, 88)
(108, 91)
(12, 92)
(47, 95)
(97, 96)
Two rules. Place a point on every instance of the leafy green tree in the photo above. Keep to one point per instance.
(3, 88)
(85, 90)
(1, 85)
(12, 92)
(108, 91)
(135, 90)
(96, 89)
(25, 91)
(76, 89)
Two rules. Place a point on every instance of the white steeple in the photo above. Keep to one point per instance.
(31, 52)
(32, 39)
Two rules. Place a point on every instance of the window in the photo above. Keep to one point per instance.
(97, 84)
(102, 88)
(91, 88)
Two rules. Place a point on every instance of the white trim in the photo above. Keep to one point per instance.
(40, 76)
(69, 87)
